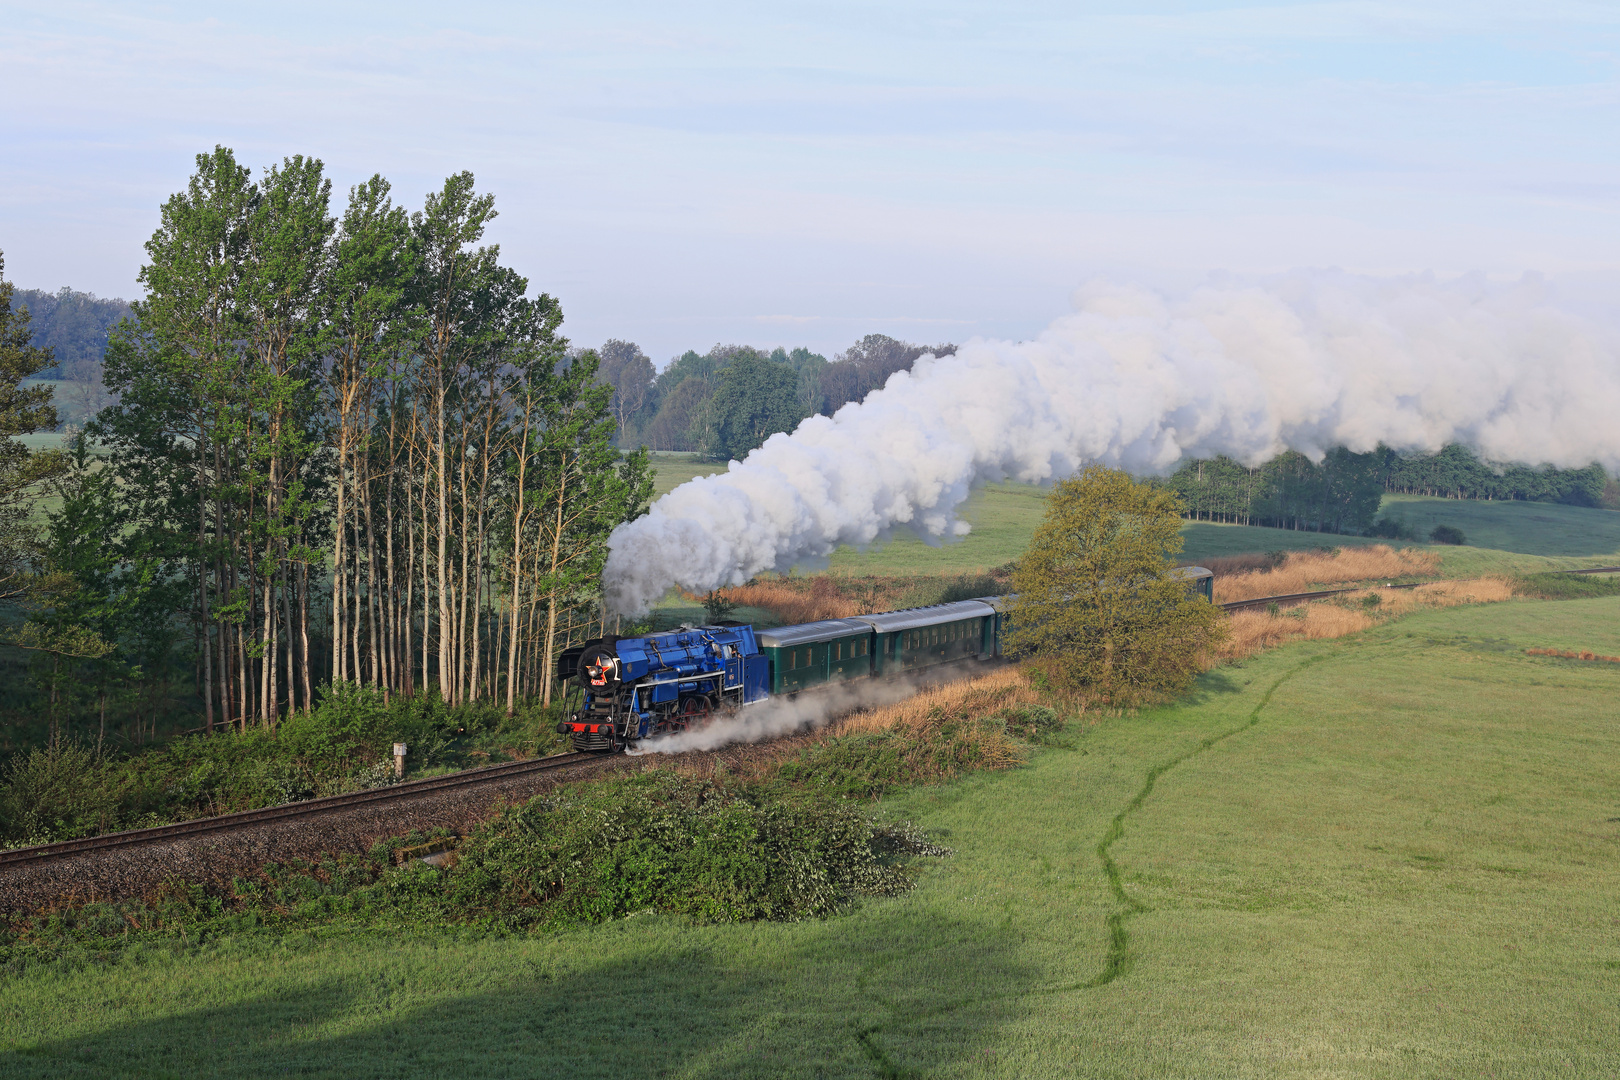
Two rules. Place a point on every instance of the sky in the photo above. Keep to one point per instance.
(782, 174)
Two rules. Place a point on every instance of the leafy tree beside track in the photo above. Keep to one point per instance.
(1097, 606)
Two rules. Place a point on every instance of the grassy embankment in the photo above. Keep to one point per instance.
(1386, 855)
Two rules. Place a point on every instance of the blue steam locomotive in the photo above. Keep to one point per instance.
(640, 687)
(636, 688)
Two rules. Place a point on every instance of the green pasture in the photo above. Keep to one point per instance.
(1392, 855)
(1530, 528)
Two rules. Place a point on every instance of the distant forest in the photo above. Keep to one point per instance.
(727, 401)
(75, 327)
(1342, 493)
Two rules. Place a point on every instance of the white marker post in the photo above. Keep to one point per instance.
(399, 760)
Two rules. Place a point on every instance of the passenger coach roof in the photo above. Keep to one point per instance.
(933, 615)
(810, 633)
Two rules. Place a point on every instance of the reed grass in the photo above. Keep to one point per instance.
(1302, 571)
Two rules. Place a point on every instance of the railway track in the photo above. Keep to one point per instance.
(1302, 597)
(32, 856)
(25, 859)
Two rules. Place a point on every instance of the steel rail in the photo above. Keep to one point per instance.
(1301, 597)
(309, 807)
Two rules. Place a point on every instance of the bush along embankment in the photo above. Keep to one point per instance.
(591, 852)
(68, 790)
(939, 734)
(1567, 586)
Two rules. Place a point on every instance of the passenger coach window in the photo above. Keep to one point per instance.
(793, 660)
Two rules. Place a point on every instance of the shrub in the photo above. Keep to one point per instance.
(1566, 586)
(594, 851)
(1392, 529)
(1447, 534)
(56, 793)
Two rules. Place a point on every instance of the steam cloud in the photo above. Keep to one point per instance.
(778, 716)
(1139, 380)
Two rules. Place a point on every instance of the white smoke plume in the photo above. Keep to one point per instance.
(1136, 379)
(778, 716)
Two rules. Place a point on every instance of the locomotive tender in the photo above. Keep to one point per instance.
(660, 684)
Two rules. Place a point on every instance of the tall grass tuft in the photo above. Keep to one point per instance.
(1302, 571)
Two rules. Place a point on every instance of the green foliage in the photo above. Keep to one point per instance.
(1455, 472)
(23, 475)
(56, 792)
(343, 744)
(1340, 494)
(754, 400)
(870, 764)
(971, 587)
(667, 843)
(1566, 586)
(1096, 605)
(1447, 534)
(716, 606)
(1393, 529)
(72, 325)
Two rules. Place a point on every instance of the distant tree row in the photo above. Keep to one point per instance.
(73, 325)
(1342, 493)
(345, 446)
(728, 401)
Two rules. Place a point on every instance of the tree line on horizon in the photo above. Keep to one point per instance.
(727, 401)
(1342, 493)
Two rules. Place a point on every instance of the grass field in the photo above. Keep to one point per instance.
(1391, 855)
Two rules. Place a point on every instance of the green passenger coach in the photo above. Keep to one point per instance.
(925, 636)
(814, 654)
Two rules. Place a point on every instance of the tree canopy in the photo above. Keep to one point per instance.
(1097, 607)
(756, 399)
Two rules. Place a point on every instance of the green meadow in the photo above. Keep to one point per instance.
(1389, 855)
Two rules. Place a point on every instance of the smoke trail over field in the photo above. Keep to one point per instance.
(778, 716)
(1139, 380)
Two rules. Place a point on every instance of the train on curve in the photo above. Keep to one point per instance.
(635, 688)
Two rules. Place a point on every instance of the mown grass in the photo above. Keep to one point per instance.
(1389, 855)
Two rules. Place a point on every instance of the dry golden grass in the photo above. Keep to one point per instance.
(970, 699)
(794, 603)
(1255, 631)
(1566, 654)
(1486, 590)
(1303, 571)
